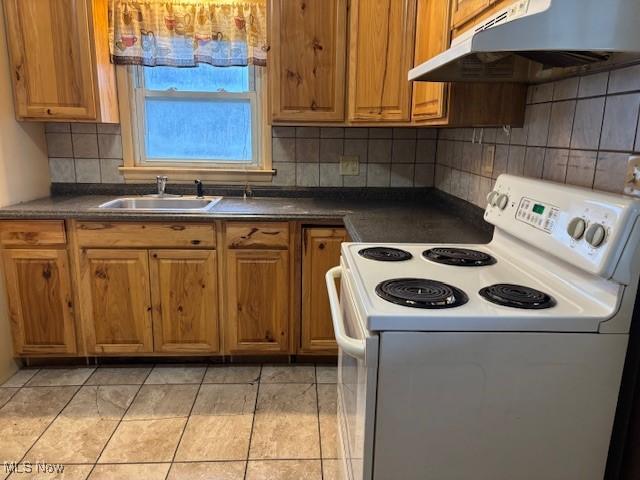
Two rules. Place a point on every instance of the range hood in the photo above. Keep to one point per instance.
(538, 40)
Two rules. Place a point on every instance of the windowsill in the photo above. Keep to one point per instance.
(188, 174)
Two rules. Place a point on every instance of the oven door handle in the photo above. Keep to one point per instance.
(351, 346)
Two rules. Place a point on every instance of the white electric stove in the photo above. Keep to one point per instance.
(498, 361)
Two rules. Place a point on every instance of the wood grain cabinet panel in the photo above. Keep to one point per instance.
(116, 301)
(257, 235)
(381, 51)
(18, 233)
(467, 13)
(307, 59)
(432, 38)
(320, 252)
(40, 301)
(258, 295)
(60, 60)
(184, 290)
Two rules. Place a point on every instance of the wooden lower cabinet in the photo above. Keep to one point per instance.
(258, 301)
(116, 301)
(320, 252)
(40, 301)
(184, 292)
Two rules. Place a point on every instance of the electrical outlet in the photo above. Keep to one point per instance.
(632, 179)
(349, 165)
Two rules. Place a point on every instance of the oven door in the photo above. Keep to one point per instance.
(357, 377)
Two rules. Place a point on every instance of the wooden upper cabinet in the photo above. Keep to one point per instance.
(432, 38)
(307, 59)
(320, 252)
(466, 13)
(115, 300)
(60, 60)
(40, 301)
(381, 50)
(184, 292)
(258, 296)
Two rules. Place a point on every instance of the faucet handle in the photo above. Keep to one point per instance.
(199, 188)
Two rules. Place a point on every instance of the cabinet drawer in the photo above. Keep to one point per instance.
(122, 234)
(27, 234)
(258, 235)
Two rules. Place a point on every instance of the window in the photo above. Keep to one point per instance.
(197, 118)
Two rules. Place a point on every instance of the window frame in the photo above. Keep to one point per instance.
(137, 167)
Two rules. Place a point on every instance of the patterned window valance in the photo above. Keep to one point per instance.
(183, 33)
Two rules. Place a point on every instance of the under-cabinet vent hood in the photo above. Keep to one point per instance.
(538, 40)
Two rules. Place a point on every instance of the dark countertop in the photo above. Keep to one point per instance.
(438, 218)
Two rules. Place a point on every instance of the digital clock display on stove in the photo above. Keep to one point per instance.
(539, 209)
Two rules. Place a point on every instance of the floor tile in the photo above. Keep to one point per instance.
(119, 376)
(207, 471)
(144, 441)
(20, 377)
(162, 401)
(237, 399)
(330, 469)
(327, 406)
(53, 377)
(153, 471)
(6, 394)
(176, 374)
(286, 423)
(326, 374)
(284, 470)
(69, 472)
(232, 374)
(26, 416)
(83, 428)
(288, 374)
(217, 437)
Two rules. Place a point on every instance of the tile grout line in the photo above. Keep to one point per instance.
(95, 464)
(195, 398)
(78, 388)
(253, 422)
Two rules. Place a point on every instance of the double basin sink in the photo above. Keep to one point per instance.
(162, 204)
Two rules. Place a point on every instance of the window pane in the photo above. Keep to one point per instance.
(197, 130)
(203, 78)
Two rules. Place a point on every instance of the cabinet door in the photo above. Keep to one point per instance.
(307, 59)
(320, 252)
(116, 301)
(50, 46)
(258, 294)
(466, 13)
(184, 290)
(432, 38)
(40, 301)
(381, 46)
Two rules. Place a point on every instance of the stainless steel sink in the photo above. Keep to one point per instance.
(169, 204)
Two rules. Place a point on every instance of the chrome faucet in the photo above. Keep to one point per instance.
(161, 182)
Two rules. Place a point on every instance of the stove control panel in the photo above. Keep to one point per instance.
(537, 214)
(585, 228)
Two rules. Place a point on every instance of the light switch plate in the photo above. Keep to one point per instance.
(632, 178)
(349, 165)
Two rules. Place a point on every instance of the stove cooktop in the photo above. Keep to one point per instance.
(545, 302)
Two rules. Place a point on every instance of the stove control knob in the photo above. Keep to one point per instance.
(576, 228)
(503, 201)
(492, 198)
(596, 235)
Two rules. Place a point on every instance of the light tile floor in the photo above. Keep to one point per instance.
(174, 422)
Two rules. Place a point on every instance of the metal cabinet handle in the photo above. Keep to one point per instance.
(351, 346)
